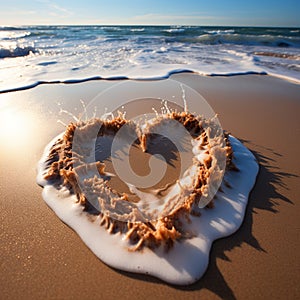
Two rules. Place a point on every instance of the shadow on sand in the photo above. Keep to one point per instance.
(262, 197)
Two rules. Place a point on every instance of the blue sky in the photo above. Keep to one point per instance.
(156, 12)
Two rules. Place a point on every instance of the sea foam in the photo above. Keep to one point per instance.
(187, 261)
(136, 52)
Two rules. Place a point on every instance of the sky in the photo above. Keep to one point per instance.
(152, 12)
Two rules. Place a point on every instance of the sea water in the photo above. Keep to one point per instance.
(33, 54)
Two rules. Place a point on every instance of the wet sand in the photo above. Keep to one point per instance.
(43, 258)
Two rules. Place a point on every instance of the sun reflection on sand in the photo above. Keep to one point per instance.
(17, 130)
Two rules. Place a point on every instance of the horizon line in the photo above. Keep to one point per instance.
(153, 25)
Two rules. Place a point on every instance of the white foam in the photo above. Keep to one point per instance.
(187, 261)
(48, 54)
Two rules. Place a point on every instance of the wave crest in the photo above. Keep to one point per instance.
(17, 51)
(240, 39)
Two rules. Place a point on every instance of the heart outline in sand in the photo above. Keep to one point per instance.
(140, 126)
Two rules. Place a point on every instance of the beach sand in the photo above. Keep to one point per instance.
(43, 258)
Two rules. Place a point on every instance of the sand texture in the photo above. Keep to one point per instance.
(41, 257)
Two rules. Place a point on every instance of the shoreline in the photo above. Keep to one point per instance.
(169, 75)
(42, 257)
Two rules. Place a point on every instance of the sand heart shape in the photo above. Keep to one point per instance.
(166, 227)
(149, 210)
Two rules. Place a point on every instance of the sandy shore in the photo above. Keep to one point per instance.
(42, 258)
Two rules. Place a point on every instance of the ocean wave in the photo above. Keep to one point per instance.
(148, 51)
(137, 29)
(41, 33)
(17, 51)
(9, 28)
(174, 30)
(11, 35)
(239, 39)
(110, 28)
(228, 31)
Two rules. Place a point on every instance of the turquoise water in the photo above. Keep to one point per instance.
(30, 54)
